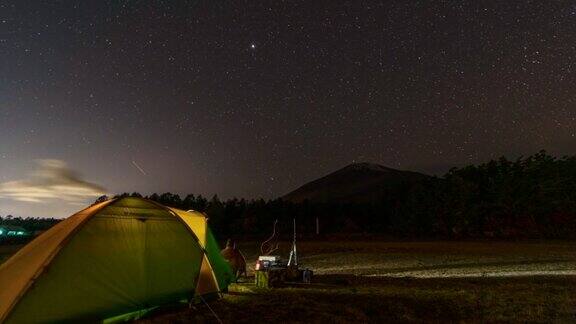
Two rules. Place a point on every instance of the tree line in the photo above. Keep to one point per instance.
(532, 197)
(31, 224)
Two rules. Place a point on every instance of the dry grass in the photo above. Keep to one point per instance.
(354, 299)
(410, 282)
(435, 259)
(441, 259)
(406, 282)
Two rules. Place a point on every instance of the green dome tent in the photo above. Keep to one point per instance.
(113, 261)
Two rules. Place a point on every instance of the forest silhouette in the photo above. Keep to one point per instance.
(532, 197)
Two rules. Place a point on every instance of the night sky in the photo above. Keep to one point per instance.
(254, 98)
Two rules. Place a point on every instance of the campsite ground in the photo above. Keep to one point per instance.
(407, 282)
(411, 282)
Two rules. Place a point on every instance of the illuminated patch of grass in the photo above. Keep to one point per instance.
(353, 283)
(354, 299)
(344, 291)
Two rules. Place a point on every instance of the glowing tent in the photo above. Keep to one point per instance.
(113, 261)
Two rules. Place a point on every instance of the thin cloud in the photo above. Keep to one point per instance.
(52, 180)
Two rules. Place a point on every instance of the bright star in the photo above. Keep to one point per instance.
(252, 46)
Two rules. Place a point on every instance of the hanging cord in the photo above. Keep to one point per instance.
(210, 308)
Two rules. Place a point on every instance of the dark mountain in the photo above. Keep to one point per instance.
(358, 182)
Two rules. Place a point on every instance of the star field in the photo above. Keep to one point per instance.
(254, 98)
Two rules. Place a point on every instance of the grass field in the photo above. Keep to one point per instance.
(406, 282)
(409, 282)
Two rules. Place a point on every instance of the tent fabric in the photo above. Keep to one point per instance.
(18, 272)
(207, 283)
(196, 222)
(118, 257)
(199, 224)
(222, 270)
